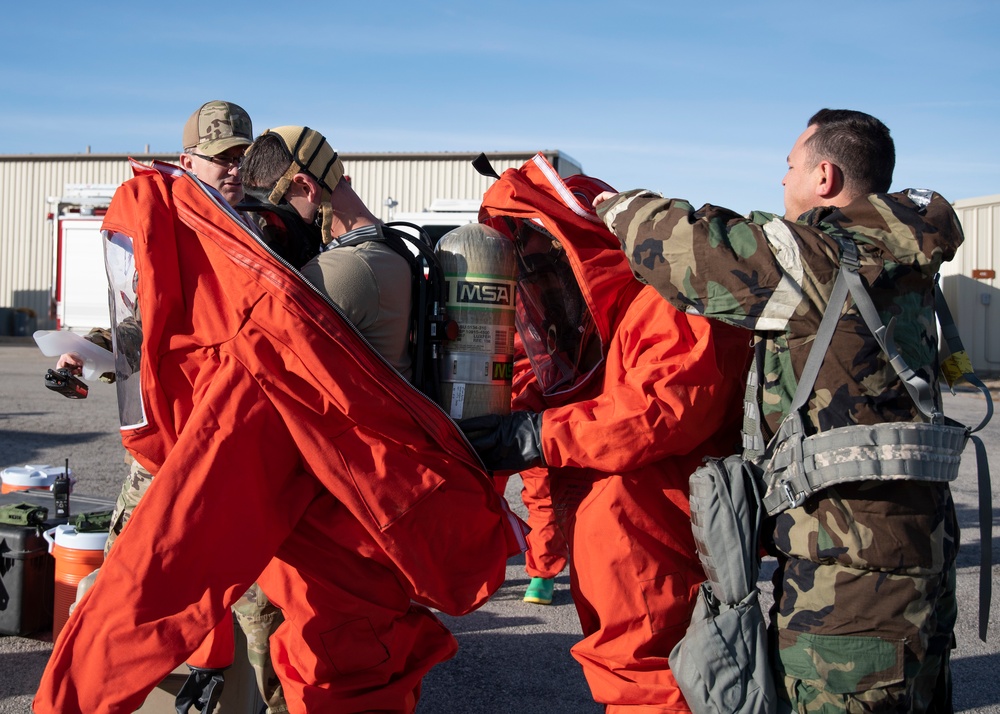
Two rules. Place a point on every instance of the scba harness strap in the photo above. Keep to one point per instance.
(429, 323)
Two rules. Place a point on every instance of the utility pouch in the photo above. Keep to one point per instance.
(721, 663)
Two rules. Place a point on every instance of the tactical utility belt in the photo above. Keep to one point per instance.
(881, 452)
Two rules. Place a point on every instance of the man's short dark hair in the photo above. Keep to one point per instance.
(859, 144)
(265, 161)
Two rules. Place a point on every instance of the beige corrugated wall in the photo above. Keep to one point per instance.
(973, 296)
(414, 180)
(26, 182)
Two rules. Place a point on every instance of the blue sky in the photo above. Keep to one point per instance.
(700, 100)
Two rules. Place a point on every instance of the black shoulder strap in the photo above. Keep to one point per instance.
(428, 316)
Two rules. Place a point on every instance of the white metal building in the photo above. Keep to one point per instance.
(387, 182)
(970, 283)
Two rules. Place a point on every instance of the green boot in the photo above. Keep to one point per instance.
(539, 591)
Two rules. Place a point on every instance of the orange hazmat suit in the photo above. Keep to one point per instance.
(631, 403)
(284, 450)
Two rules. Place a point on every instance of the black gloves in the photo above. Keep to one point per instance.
(202, 690)
(506, 443)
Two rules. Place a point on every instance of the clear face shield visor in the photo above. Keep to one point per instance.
(552, 317)
(126, 326)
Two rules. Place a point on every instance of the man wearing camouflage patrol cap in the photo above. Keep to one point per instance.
(214, 139)
(865, 587)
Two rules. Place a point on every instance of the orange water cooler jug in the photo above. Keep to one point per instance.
(77, 555)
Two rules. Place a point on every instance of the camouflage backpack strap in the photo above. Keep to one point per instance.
(790, 487)
(920, 390)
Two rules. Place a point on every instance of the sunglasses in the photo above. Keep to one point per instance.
(227, 161)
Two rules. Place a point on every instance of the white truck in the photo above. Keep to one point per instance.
(443, 215)
(80, 283)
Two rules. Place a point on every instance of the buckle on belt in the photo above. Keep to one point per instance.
(794, 500)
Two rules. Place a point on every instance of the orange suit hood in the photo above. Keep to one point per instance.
(536, 193)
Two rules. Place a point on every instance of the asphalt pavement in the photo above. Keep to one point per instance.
(513, 657)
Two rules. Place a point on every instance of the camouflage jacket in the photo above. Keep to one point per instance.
(775, 276)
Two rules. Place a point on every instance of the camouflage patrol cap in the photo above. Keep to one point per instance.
(217, 126)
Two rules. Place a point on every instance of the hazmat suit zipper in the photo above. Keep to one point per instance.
(230, 211)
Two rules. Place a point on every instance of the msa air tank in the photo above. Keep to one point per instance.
(481, 269)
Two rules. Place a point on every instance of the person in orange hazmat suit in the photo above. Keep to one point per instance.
(627, 396)
(297, 452)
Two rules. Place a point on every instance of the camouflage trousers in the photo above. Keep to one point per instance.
(865, 599)
(134, 487)
(257, 617)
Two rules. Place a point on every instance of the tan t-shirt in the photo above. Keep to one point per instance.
(370, 283)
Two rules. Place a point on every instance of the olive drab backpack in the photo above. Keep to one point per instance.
(721, 664)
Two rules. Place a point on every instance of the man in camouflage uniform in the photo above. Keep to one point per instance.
(865, 587)
(215, 138)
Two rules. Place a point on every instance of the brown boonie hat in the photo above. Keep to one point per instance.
(217, 126)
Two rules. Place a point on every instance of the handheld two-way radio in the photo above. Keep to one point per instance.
(60, 493)
(64, 382)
